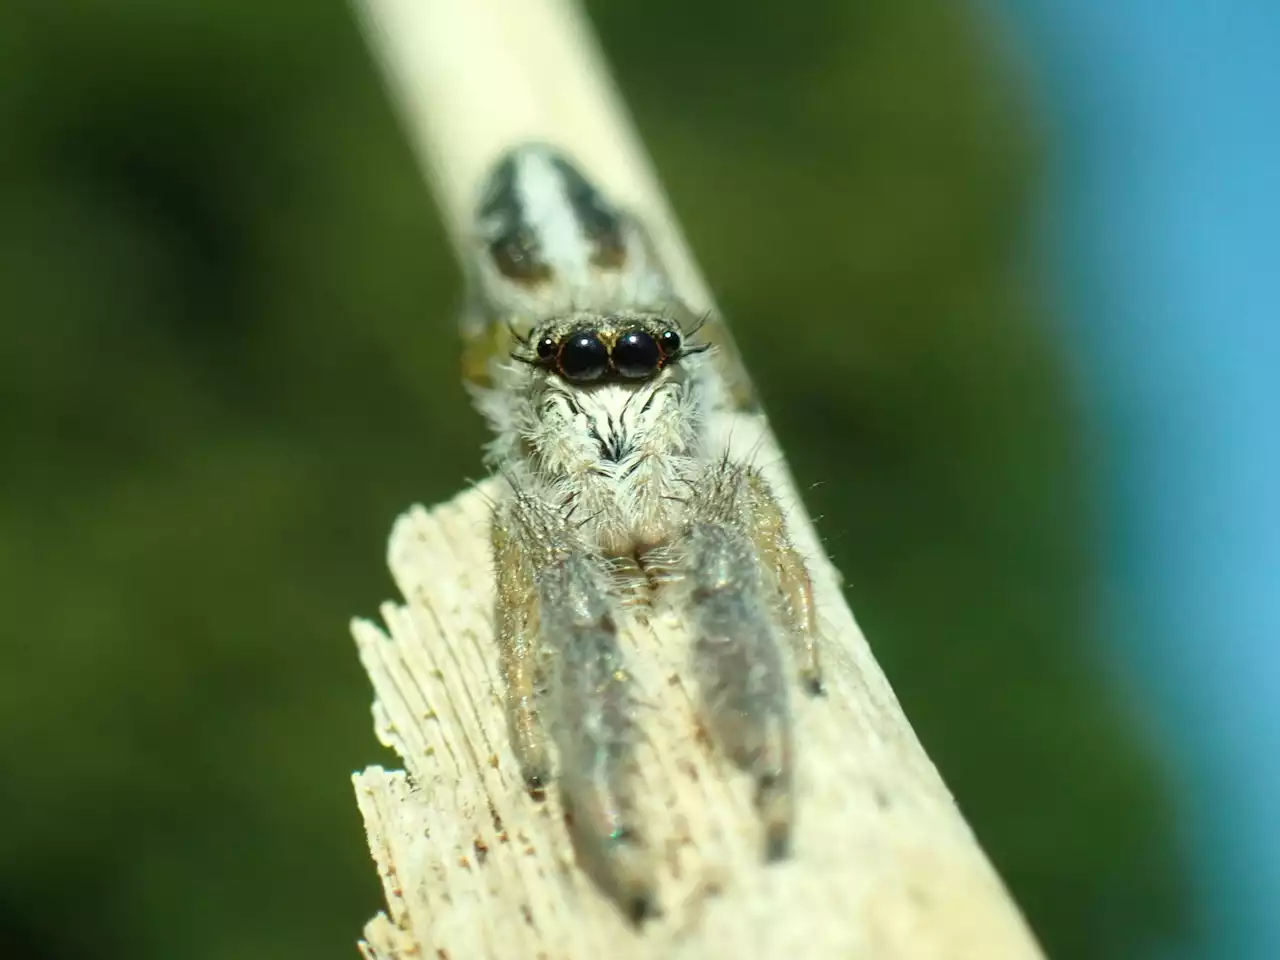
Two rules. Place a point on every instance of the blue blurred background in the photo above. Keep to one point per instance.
(1161, 221)
(998, 271)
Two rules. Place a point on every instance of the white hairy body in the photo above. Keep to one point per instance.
(622, 456)
(600, 400)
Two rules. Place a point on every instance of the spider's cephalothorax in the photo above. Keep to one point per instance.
(604, 416)
(601, 400)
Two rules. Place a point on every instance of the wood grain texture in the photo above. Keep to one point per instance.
(884, 865)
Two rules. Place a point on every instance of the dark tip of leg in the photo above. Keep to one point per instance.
(773, 801)
(813, 687)
(535, 783)
(777, 843)
(641, 907)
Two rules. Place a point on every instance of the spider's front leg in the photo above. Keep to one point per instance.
(557, 620)
(522, 656)
(785, 567)
(749, 593)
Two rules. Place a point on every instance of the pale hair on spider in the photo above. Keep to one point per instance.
(589, 372)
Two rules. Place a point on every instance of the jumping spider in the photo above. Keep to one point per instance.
(599, 396)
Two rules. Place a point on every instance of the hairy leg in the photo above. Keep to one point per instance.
(594, 729)
(749, 593)
(768, 531)
(521, 656)
(588, 696)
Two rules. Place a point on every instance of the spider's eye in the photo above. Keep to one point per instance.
(583, 357)
(636, 355)
(670, 343)
(547, 348)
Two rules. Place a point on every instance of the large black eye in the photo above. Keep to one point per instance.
(670, 343)
(583, 357)
(547, 348)
(636, 355)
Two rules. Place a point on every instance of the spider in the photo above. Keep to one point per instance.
(598, 391)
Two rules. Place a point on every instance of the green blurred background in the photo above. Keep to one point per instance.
(229, 360)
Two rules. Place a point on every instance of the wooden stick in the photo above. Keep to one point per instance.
(884, 865)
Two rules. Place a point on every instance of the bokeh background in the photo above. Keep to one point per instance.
(229, 359)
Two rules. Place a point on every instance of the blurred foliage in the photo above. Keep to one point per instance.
(229, 359)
